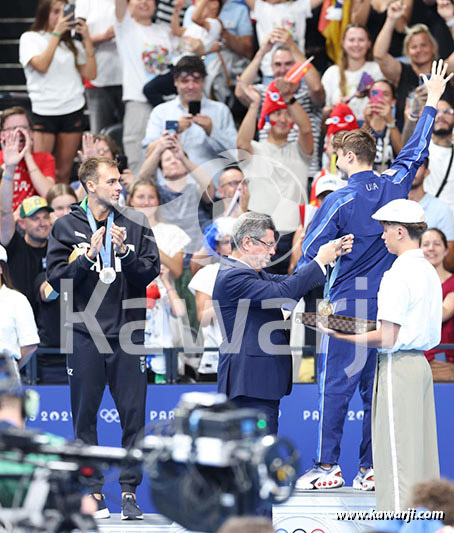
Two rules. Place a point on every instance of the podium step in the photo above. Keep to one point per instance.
(305, 512)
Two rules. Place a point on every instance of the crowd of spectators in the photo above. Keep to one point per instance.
(196, 105)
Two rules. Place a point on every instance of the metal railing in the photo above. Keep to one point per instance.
(171, 356)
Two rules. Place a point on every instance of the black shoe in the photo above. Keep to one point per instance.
(103, 511)
(129, 508)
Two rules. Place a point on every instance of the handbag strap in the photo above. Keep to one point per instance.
(445, 180)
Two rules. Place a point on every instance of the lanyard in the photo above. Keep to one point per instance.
(330, 279)
(105, 251)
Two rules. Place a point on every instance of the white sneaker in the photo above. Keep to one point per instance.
(319, 478)
(364, 480)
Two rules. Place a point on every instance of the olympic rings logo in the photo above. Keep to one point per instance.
(110, 415)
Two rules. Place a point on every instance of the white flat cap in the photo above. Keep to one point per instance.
(403, 211)
(328, 182)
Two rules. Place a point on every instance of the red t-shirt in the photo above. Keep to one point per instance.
(23, 185)
(447, 328)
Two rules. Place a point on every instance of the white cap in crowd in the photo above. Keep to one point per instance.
(403, 211)
(329, 182)
(3, 254)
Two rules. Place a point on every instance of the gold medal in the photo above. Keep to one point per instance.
(325, 308)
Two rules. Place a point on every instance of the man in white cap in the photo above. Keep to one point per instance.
(404, 432)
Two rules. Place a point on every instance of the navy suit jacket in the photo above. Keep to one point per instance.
(248, 366)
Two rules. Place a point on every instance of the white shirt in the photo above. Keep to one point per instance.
(203, 281)
(100, 15)
(278, 182)
(17, 325)
(439, 157)
(331, 84)
(59, 90)
(208, 37)
(170, 238)
(290, 15)
(410, 295)
(145, 52)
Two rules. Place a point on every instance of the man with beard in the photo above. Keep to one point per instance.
(27, 253)
(110, 255)
(437, 213)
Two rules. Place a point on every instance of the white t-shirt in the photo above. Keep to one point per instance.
(100, 15)
(170, 238)
(278, 182)
(145, 52)
(290, 15)
(203, 281)
(17, 325)
(331, 81)
(439, 157)
(60, 90)
(409, 293)
(208, 37)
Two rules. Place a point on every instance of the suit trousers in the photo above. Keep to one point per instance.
(89, 371)
(404, 429)
(269, 407)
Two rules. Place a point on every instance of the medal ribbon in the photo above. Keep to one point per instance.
(331, 276)
(106, 250)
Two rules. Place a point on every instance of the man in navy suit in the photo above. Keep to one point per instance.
(255, 364)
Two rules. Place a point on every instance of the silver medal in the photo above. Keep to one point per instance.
(107, 275)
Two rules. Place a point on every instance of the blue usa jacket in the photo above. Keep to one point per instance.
(258, 365)
(349, 210)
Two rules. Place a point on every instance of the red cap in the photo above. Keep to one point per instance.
(342, 118)
(273, 102)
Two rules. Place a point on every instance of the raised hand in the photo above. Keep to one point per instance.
(285, 87)
(89, 147)
(396, 10)
(436, 84)
(12, 156)
(252, 94)
(64, 23)
(445, 9)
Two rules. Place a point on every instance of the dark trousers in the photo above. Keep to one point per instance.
(89, 372)
(159, 87)
(269, 407)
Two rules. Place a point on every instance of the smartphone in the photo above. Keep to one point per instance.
(172, 125)
(78, 36)
(69, 9)
(122, 162)
(376, 96)
(194, 107)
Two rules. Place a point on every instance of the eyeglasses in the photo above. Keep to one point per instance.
(445, 111)
(269, 245)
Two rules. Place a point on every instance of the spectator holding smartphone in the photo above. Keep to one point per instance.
(54, 64)
(205, 128)
(379, 119)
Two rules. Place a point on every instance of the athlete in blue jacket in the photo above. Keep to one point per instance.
(353, 284)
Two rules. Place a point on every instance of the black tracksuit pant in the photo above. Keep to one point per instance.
(89, 372)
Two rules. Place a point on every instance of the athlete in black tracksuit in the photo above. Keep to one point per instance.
(89, 369)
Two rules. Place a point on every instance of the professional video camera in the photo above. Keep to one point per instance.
(217, 463)
(211, 462)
